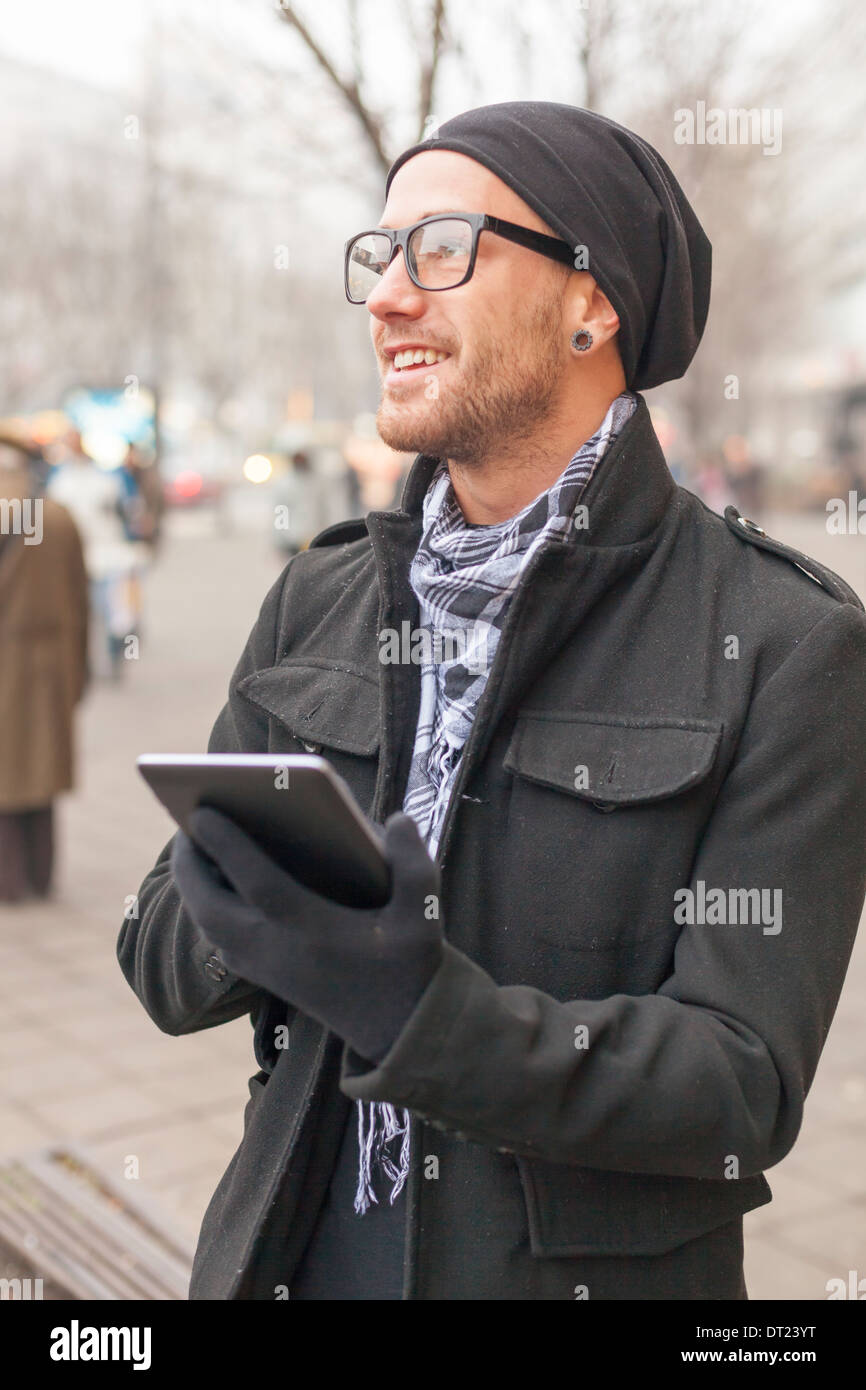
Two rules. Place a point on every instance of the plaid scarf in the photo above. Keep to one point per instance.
(464, 578)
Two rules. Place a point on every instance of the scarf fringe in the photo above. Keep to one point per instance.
(382, 1126)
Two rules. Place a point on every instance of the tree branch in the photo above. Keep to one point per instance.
(370, 123)
(430, 65)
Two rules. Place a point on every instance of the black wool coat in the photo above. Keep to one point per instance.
(677, 702)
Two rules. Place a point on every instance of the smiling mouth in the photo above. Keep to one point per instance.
(412, 358)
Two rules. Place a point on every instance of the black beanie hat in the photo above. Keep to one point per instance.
(598, 185)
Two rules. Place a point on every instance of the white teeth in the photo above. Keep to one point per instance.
(411, 357)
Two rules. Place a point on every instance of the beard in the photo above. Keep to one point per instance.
(510, 386)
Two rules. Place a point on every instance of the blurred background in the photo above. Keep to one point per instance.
(181, 373)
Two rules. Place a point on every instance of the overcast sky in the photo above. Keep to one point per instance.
(97, 40)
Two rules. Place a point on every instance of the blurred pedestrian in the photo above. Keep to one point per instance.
(142, 501)
(300, 491)
(711, 481)
(43, 667)
(380, 471)
(745, 475)
(94, 496)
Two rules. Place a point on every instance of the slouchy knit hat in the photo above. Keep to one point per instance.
(600, 186)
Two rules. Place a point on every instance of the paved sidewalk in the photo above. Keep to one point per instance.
(79, 1058)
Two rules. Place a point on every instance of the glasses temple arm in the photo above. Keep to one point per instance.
(550, 246)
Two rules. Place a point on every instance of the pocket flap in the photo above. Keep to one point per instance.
(592, 1211)
(319, 701)
(612, 759)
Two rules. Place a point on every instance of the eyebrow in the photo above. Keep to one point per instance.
(433, 212)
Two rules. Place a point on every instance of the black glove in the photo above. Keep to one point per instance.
(359, 971)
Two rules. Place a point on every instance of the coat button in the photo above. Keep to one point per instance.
(214, 968)
(311, 747)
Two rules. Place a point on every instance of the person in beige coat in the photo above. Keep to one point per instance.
(43, 668)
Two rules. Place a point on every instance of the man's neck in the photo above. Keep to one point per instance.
(491, 489)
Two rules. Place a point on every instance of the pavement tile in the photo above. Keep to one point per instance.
(118, 1029)
(175, 1147)
(836, 1238)
(21, 1132)
(187, 1199)
(174, 1092)
(229, 1127)
(97, 1113)
(773, 1273)
(24, 1043)
(834, 1160)
(842, 1097)
(794, 1190)
(63, 1074)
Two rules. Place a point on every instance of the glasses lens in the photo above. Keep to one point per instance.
(440, 253)
(366, 263)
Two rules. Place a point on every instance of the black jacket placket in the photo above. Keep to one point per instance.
(561, 584)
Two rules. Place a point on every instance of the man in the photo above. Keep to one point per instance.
(587, 1020)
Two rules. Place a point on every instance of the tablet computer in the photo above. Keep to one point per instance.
(297, 808)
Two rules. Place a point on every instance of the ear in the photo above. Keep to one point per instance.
(587, 306)
(604, 314)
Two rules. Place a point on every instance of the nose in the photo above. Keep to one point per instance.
(395, 292)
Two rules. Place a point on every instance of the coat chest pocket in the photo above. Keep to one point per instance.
(322, 703)
(604, 819)
(590, 1211)
(612, 761)
(326, 707)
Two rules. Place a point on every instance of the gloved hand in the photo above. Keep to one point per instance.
(359, 971)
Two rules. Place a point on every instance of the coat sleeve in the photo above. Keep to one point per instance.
(718, 1062)
(161, 951)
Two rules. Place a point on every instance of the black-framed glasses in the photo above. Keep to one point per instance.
(439, 251)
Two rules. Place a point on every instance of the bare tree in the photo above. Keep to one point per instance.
(156, 257)
(429, 44)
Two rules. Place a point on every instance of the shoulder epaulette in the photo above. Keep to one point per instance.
(753, 533)
(341, 531)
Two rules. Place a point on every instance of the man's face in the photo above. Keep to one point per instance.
(503, 331)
